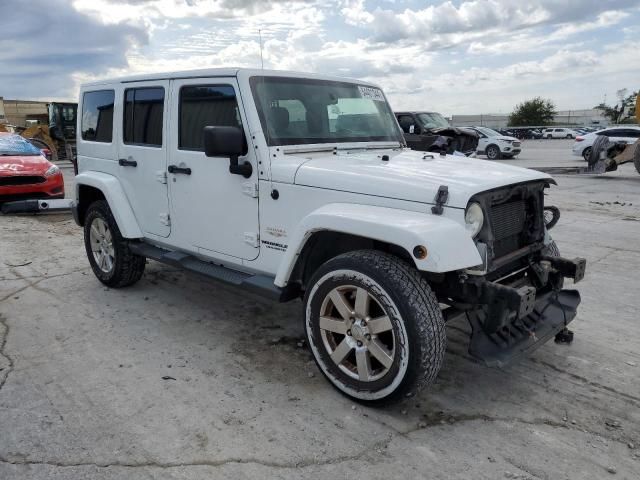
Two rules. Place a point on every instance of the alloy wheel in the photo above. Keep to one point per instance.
(102, 245)
(357, 333)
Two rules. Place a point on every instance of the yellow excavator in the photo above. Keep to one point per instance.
(59, 137)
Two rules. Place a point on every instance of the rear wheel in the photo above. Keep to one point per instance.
(109, 255)
(636, 158)
(586, 153)
(374, 326)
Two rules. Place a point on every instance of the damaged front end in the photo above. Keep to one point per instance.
(447, 140)
(515, 300)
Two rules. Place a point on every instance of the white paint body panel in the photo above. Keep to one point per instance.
(114, 194)
(352, 190)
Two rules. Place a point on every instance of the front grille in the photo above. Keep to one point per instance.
(21, 180)
(508, 219)
(514, 217)
(516, 144)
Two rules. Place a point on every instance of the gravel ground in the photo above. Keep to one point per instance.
(181, 378)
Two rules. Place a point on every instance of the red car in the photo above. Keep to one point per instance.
(25, 173)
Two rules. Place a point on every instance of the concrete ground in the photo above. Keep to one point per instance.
(180, 378)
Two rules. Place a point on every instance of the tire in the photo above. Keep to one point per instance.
(549, 136)
(599, 144)
(493, 152)
(413, 338)
(586, 153)
(636, 158)
(109, 255)
(569, 136)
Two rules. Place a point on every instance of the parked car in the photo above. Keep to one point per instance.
(25, 173)
(628, 134)
(431, 132)
(559, 133)
(532, 134)
(300, 186)
(496, 146)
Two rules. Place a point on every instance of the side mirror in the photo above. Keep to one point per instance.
(227, 142)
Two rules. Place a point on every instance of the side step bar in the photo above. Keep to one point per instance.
(260, 284)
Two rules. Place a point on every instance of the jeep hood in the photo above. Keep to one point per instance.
(410, 175)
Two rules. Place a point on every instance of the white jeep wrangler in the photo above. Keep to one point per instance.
(295, 185)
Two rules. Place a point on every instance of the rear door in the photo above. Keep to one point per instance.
(142, 148)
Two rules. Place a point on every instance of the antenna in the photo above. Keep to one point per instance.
(261, 60)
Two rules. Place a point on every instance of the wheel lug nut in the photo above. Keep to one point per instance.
(349, 332)
(367, 336)
(359, 343)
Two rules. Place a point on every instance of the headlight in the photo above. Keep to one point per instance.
(474, 218)
(53, 169)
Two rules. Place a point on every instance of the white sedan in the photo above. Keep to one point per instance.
(495, 145)
(583, 143)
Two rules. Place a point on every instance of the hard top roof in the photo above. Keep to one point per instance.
(219, 72)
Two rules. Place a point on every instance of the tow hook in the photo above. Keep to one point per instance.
(564, 336)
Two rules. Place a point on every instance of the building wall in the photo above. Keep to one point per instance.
(17, 112)
(565, 117)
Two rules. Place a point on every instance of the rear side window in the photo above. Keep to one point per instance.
(633, 133)
(143, 116)
(205, 106)
(97, 116)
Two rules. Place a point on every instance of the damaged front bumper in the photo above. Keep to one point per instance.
(511, 320)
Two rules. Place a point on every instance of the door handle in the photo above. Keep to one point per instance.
(177, 169)
(123, 162)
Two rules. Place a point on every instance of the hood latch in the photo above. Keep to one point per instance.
(441, 198)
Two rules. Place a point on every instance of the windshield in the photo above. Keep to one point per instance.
(488, 132)
(433, 120)
(295, 111)
(16, 145)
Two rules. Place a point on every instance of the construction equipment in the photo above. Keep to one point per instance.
(60, 136)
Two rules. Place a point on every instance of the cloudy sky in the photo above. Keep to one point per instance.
(459, 56)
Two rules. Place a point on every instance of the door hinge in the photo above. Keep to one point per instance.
(252, 238)
(161, 176)
(165, 219)
(250, 189)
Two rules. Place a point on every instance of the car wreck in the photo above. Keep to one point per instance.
(431, 132)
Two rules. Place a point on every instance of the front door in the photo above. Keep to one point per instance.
(213, 211)
(142, 153)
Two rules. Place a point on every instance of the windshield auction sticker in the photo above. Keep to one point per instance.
(371, 93)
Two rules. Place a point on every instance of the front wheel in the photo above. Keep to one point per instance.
(493, 152)
(109, 255)
(374, 326)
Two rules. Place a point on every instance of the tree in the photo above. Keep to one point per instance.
(537, 111)
(623, 111)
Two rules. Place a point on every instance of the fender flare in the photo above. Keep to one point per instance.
(116, 198)
(449, 246)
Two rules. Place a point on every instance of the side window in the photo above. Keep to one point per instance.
(143, 116)
(632, 133)
(97, 116)
(406, 121)
(559, 129)
(205, 106)
(613, 133)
